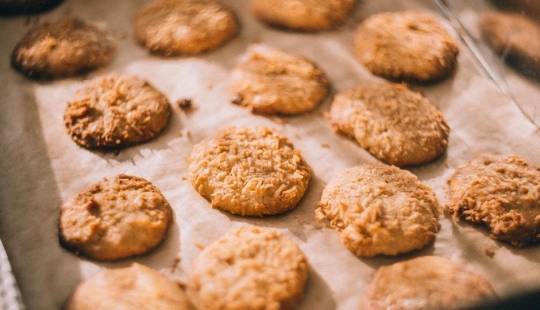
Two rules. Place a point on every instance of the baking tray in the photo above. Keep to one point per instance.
(520, 89)
(10, 298)
(40, 166)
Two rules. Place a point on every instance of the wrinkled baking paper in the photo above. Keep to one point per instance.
(41, 166)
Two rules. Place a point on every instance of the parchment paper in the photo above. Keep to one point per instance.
(40, 166)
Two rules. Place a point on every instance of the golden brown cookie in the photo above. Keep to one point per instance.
(134, 287)
(115, 218)
(380, 209)
(63, 48)
(428, 282)
(304, 15)
(501, 193)
(12, 7)
(249, 171)
(395, 124)
(250, 268)
(116, 111)
(516, 38)
(406, 45)
(270, 81)
(173, 27)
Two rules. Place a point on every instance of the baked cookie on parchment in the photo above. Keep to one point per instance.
(501, 193)
(174, 27)
(115, 218)
(134, 287)
(425, 283)
(525, 7)
(380, 210)
(408, 45)
(395, 124)
(249, 171)
(304, 15)
(514, 37)
(63, 48)
(116, 111)
(270, 81)
(250, 268)
(12, 7)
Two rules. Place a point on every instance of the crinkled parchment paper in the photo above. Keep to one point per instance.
(40, 166)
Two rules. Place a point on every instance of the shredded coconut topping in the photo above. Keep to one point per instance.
(249, 171)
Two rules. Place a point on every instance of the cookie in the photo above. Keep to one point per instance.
(64, 48)
(116, 111)
(380, 210)
(501, 193)
(525, 7)
(115, 218)
(14, 7)
(173, 27)
(250, 268)
(249, 171)
(303, 15)
(406, 45)
(270, 81)
(428, 282)
(395, 124)
(134, 287)
(516, 38)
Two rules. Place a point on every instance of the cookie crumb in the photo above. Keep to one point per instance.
(200, 246)
(181, 284)
(237, 99)
(185, 104)
(278, 120)
(175, 264)
(325, 145)
(489, 252)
